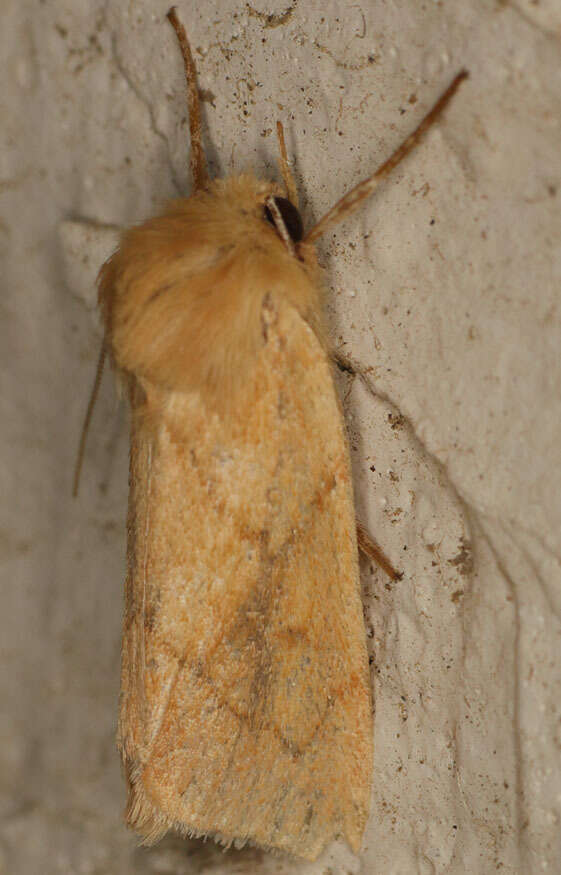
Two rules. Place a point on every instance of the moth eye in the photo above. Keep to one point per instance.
(290, 217)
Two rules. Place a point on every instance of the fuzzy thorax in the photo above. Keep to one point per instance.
(182, 296)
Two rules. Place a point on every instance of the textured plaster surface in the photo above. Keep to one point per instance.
(444, 294)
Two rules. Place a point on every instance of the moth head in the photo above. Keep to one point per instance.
(253, 213)
(182, 297)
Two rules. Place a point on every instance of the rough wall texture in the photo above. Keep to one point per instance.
(444, 294)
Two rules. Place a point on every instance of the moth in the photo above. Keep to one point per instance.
(246, 706)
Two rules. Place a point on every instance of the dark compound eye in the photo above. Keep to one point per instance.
(290, 217)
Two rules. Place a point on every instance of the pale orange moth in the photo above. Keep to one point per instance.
(246, 706)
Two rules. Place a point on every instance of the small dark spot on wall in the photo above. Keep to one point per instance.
(396, 420)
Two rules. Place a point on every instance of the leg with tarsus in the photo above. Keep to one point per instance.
(289, 181)
(365, 543)
(370, 549)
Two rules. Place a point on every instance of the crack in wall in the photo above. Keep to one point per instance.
(148, 107)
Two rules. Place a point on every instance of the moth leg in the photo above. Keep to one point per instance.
(352, 200)
(369, 547)
(198, 159)
(289, 183)
(88, 417)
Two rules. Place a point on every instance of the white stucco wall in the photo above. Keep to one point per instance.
(444, 293)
